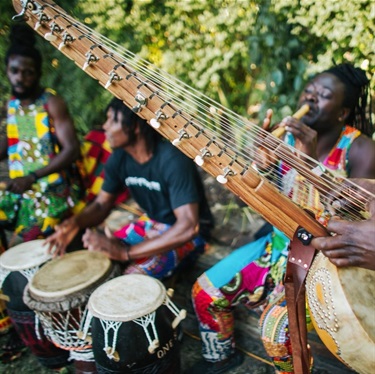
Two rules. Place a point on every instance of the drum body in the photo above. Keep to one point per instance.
(341, 304)
(58, 294)
(18, 265)
(133, 325)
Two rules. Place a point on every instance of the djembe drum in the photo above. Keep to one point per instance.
(18, 265)
(341, 304)
(133, 324)
(58, 294)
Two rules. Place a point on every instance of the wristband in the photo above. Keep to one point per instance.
(33, 174)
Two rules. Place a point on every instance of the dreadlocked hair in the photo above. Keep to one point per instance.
(357, 97)
(22, 43)
(129, 122)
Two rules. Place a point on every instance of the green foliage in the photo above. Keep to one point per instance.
(248, 55)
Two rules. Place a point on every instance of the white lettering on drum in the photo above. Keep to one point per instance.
(164, 350)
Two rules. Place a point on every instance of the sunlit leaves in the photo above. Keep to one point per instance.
(249, 55)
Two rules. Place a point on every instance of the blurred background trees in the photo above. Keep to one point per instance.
(249, 55)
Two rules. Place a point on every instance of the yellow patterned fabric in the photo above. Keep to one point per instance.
(32, 144)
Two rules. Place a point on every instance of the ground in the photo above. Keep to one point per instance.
(235, 225)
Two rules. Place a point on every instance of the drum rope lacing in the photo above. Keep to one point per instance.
(37, 327)
(115, 326)
(180, 314)
(64, 330)
(82, 355)
(3, 274)
(86, 323)
(27, 273)
(149, 319)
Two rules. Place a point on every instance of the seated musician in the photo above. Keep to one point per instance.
(164, 183)
(41, 145)
(336, 131)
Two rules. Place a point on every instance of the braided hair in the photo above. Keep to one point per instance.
(357, 97)
(22, 43)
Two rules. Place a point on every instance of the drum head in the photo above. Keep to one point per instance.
(25, 256)
(69, 274)
(127, 297)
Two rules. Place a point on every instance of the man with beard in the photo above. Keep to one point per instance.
(41, 146)
(44, 185)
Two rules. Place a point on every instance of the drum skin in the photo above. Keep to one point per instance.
(16, 260)
(341, 304)
(59, 291)
(73, 273)
(132, 347)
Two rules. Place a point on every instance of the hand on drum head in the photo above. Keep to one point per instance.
(63, 236)
(113, 247)
(353, 244)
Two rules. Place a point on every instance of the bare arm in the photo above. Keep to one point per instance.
(3, 136)
(3, 147)
(94, 214)
(66, 136)
(183, 230)
(362, 158)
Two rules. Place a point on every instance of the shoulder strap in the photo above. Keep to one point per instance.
(300, 258)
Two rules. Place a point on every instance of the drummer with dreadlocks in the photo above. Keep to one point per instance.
(337, 132)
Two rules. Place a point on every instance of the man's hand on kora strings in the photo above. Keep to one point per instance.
(113, 247)
(352, 243)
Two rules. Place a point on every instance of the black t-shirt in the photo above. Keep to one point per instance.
(165, 182)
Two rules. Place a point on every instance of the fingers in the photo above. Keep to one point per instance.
(342, 262)
(267, 120)
(86, 238)
(266, 124)
(296, 127)
(57, 242)
(342, 257)
(367, 184)
(50, 242)
(108, 232)
(60, 250)
(371, 208)
(92, 240)
(51, 246)
(327, 243)
(339, 226)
